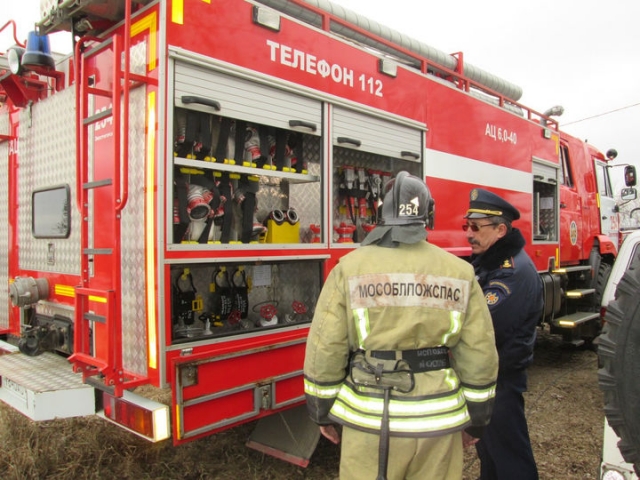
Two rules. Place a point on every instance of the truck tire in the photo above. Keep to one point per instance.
(619, 353)
(602, 277)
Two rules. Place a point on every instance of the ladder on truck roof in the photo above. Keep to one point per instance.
(98, 299)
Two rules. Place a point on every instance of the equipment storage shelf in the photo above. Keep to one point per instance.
(368, 151)
(292, 177)
(247, 159)
(214, 300)
(219, 204)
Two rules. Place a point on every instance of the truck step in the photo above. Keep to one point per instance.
(580, 292)
(572, 269)
(44, 387)
(575, 319)
(288, 435)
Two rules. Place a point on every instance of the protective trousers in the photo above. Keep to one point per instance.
(433, 458)
(505, 448)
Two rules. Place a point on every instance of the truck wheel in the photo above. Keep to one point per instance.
(602, 277)
(599, 283)
(619, 353)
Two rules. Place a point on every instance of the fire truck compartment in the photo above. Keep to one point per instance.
(213, 300)
(209, 398)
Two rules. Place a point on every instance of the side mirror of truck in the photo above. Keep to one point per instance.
(630, 176)
(628, 194)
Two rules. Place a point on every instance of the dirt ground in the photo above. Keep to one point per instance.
(564, 405)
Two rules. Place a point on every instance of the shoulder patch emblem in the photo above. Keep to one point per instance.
(507, 263)
(500, 286)
(492, 298)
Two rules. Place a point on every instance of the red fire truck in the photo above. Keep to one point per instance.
(181, 184)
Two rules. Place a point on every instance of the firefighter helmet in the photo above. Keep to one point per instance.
(407, 202)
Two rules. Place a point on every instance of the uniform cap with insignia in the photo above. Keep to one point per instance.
(483, 204)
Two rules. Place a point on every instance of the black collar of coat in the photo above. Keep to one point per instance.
(507, 247)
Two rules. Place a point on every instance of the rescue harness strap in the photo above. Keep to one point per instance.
(239, 141)
(420, 360)
(281, 147)
(223, 139)
(225, 186)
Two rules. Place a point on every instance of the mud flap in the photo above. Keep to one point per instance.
(289, 435)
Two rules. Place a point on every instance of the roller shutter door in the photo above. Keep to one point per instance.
(367, 133)
(243, 99)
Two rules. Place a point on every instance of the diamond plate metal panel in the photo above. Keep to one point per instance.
(44, 387)
(306, 197)
(46, 372)
(4, 123)
(134, 315)
(4, 220)
(47, 157)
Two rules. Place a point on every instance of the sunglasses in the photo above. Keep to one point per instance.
(476, 228)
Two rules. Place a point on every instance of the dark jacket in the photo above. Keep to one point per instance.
(513, 291)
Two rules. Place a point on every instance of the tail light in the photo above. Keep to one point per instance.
(137, 414)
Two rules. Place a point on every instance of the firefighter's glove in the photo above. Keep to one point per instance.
(252, 143)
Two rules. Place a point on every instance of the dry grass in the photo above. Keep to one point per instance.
(564, 409)
(91, 448)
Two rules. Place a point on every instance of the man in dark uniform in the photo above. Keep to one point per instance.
(513, 292)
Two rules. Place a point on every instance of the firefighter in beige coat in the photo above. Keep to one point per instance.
(401, 351)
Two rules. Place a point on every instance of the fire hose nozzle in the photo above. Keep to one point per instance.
(292, 216)
(26, 291)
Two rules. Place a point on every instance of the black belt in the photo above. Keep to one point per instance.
(420, 360)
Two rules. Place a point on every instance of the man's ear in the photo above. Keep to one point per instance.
(502, 230)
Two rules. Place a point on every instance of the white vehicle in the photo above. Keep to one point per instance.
(618, 350)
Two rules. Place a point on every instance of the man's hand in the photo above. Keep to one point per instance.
(331, 433)
(468, 440)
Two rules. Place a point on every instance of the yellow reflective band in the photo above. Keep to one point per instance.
(361, 319)
(148, 23)
(357, 418)
(454, 327)
(405, 425)
(64, 290)
(93, 298)
(479, 395)
(177, 11)
(321, 391)
(178, 421)
(150, 233)
(442, 422)
(406, 407)
(452, 379)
